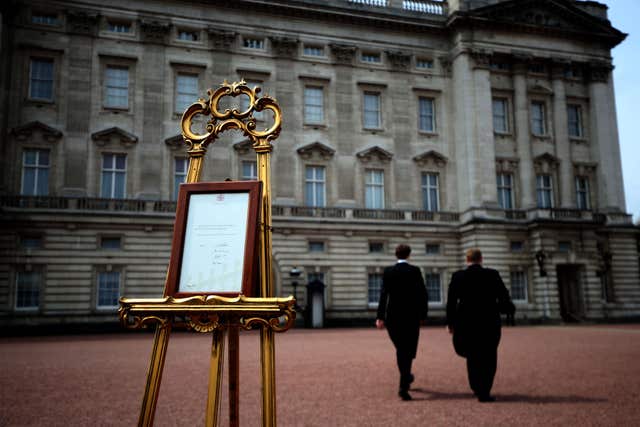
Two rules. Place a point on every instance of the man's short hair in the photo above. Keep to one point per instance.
(403, 251)
(474, 255)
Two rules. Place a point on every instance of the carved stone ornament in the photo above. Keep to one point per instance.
(446, 64)
(154, 31)
(431, 158)
(221, 39)
(242, 147)
(599, 72)
(481, 59)
(103, 137)
(284, 46)
(323, 151)
(585, 169)
(343, 54)
(506, 165)
(24, 132)
(545, 163)
(81, 22)
(399, 60)
(175, 142)
(374, 153)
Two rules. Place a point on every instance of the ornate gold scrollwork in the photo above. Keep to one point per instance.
(207, 313)
(231, 118)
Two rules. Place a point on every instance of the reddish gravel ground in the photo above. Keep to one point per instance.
(547, 376)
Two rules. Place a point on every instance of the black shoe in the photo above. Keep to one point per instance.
(486, 398)
(411, 379)
(404, 395)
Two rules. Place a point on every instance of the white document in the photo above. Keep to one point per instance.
(214, 244)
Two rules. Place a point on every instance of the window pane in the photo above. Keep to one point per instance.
(108, 289)
(519, 286)
(371, 110)
(434, 292)
(426, 115)
(500, 115)
(117, 87)
(313, 104)
(107, 185)
(374, 283)
(186, 91)
(42, 180)
(41, 80)
(249, 170)
(28, 289)
(119, 187)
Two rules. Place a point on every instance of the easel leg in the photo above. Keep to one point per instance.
(268, 356)
(215, 378)
(234, 377)
(154, 376)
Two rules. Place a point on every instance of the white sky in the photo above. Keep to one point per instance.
(624, 14)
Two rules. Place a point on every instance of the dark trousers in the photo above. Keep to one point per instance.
(481, 370)
(405, 340)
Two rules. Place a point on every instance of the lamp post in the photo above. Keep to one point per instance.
(294, 273)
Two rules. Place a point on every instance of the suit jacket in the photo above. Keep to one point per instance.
(477, 296)
(403, 299)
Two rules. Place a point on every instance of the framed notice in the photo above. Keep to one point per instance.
(214, 239)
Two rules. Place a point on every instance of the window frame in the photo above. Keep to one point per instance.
(315, 182)
(502, 188)
(505, 104)
(37, 167)
(371, 204)
(365, 111)
(181, 92)
(113, 172)
(99, 273)
(249, 41)
(422, 114)
(308, 105)
(585, 191)
(427, 275)
(377, 287)
(548, 189)
(107, 85)
(41, 59)
(426, 187)
(579, 122)
(541, 120)
(525, 282)
(28, 269)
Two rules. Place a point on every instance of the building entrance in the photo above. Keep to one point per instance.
(570, 292)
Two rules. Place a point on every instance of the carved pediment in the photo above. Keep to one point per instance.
(545, 162)
(551, 15)
(243, 147)
(105, 136)
(343, 54)
(221, 39)
(430, 158)
(506, 164)
(25, 131)
(399, 60)
(374, 153)
(175, 142)
(82, 22)
(584, 168)
(284, 46)
(317, 148)
(154, 31)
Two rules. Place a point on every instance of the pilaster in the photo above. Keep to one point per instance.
(523, 141)
(561, 134)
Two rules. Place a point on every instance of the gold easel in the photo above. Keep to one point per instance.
(215, 313)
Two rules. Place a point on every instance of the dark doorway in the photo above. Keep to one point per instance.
(570, 292)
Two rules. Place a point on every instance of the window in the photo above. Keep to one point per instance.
(119, 27)
(424, 63)
(313, 104)
(372, 110)
(44, 18)
(35, 172)
(499, 66)
(369, 57)
(538, 125)
(30, 242)
(316, 246)
(116, 87)
(427, 114)
(519, 286)
(537, 68)
(564, 246)
(310, 50)
(544, 191)
(434, 287)
(374, 189)
(314, 186)
(249, 171)
(376, 247)
(108, 289)
(574, 116)
(186, 35)
(500, 115)
(41, 79)
(28, 289)
(110, 242)
(430, 192)
(253, 43)
(181, 164)
(517, 246)
(432, 248)
(374, 283)
(186, 91)
(505, 190)
(114, 173)
(582, 192)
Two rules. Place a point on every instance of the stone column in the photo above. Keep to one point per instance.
(523, 140)
(561, 135)
(347, 125)
(605, 147)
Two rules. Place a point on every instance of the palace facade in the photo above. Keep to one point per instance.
(445, 125)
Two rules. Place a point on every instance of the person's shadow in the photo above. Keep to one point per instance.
(426, 394)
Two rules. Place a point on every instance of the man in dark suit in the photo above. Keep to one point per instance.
(477, 296)
(403, 304)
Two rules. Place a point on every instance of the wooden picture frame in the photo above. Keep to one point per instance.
(215, 239)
